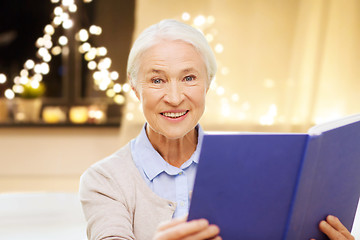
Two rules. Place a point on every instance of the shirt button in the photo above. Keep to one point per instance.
(182, 204)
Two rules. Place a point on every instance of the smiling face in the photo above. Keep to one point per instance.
(172, 87)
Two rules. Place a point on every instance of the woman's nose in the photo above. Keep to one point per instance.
(174, 94)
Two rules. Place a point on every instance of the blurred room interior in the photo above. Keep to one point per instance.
(65, 103)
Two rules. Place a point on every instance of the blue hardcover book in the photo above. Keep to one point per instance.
(279, 186)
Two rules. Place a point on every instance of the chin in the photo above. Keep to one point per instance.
(175, 133)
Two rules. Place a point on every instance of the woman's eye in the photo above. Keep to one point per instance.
(156, 81)
(189, 78)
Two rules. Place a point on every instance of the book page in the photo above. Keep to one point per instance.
(318, 129)
(356, 225)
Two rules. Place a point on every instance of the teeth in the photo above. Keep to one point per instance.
(174, 115)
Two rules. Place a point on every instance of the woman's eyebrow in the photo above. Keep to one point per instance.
(156, 71)
(187, 70)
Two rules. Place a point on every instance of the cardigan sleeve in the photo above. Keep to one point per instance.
(105, 207)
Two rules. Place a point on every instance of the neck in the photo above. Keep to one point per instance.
(174, 151)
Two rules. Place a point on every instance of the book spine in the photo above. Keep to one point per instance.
(301, 199)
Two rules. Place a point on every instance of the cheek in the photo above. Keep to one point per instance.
(148, 101)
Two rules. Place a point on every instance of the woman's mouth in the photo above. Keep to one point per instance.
(174, 114)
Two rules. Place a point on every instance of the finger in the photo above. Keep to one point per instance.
(331, 232)
(217, 238)
(171, 223)
(182, 230)
(210, 232)
(337, 225)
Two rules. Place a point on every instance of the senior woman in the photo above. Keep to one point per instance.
(130, 194)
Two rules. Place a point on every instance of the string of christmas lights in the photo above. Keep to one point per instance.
(97, 61)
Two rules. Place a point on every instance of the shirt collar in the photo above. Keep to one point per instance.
(151, 161)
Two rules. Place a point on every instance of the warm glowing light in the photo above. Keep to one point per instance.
(272, 110)
(87, 1)
(97, 75)
(18, 88)
(52, 114)
(103, 85)
(220, 91)
(96, 114)
(129, 116)
(49, 29)
(47, 58)
(43, 51)
(2, 78)
(266, 120)
(199, 20)
(63, 40)
(209, 37)
(48, 44)
(68, 23)
(24, 73)
(92, 65)
(55, 1)
(56, 50)
(58, 11)
(119, 99)
(40, 42)
(90, 56)
(224, 71)
(219, 48)
(269, 83)
(24, 80)
(104, 64)
(117, 88)
(101, 51)
(17, 80)
(225, 110)
(47, 37)
(67, 2)
(37, 69)
(126, 87)
(73, 8)
(35, 84)
(235, 97)
(114, 75)
(83, 35)
(110, 93)
(85, 47)
(210, 19)
(269, 118)
(78, 114)
(37, 77)
(57, 20)
(95, 30)
(29, 64)
(185, 16)
(45, 69)
(9, 94)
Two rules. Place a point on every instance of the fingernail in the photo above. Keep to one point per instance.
(204, 222)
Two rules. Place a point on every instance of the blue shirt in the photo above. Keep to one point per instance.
(169, 182)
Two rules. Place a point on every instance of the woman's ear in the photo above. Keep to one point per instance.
(133, 87)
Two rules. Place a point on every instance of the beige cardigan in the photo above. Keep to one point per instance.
(117, 203)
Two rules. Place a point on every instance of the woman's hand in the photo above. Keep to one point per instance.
(334, 229)
(179, 228)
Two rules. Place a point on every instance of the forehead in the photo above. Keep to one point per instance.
(172, 55)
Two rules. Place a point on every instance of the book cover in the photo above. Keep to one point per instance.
(278, 186)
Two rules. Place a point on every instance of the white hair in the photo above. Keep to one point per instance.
(169, 29)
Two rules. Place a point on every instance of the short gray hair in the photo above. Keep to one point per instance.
(170, 29)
